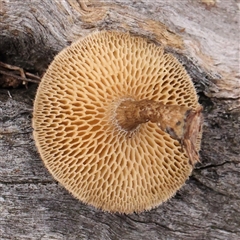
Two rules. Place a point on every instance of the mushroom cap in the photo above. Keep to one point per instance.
(78, 138)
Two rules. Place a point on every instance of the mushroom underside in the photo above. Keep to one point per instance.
(81, 139)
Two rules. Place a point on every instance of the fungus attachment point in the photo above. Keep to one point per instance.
(117, 122)
(192, 131)
(180, 122)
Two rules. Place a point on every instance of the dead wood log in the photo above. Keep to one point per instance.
(204, 35)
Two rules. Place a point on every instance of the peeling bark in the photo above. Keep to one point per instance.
(204, 37)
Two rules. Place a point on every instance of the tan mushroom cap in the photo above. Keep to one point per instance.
(75, 129)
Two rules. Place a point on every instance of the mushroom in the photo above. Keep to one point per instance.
(117, 122)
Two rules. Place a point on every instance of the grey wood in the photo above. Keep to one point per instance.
(34, 206)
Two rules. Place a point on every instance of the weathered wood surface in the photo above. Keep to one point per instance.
(205, 38)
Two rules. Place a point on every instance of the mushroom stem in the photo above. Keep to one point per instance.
(180, 122)
(169, 118)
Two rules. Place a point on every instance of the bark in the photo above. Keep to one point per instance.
(204, 35)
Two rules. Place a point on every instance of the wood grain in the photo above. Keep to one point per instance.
(204, 38)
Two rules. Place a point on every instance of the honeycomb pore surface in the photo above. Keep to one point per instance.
(75, 130)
